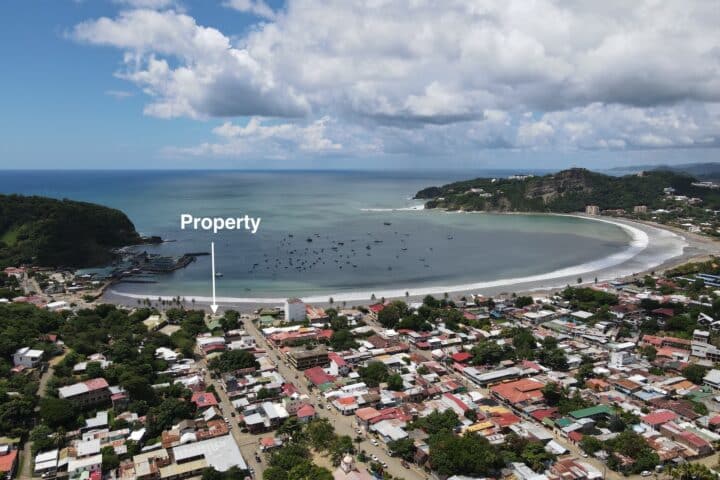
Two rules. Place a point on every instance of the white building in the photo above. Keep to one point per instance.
(294, 310)
(27, 357)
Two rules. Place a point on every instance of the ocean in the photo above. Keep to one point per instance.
(326, 232)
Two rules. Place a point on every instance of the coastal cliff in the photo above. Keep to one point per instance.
(60, 233)
(566, 191)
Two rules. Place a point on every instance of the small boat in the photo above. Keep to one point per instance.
(387, 223)
(218, 274)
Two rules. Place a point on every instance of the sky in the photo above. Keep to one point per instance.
(396, 84)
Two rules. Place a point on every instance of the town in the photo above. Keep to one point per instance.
(588, 382)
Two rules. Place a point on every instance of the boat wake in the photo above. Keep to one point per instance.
(414, 208)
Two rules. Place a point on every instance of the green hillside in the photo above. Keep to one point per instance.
(53, 233)
(564, 192)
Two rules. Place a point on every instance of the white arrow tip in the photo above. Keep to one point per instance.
(214, 308)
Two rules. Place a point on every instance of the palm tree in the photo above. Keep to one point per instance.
(692, 471)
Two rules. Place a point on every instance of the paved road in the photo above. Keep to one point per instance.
(344, 425)
(248, 443)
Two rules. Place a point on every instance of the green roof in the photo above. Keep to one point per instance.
(592, 411)
(563, 422)
(267, 319)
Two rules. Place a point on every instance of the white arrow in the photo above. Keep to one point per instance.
(214, 305)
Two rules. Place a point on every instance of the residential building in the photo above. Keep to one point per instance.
(27, 357)
(88, 393)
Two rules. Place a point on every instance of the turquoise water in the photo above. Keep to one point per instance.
(344, 214)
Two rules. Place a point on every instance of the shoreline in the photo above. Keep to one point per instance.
(651, 248)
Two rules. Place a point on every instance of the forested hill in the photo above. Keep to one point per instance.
(53, 233)
(564, 192)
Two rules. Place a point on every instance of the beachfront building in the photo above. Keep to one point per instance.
(294, 310)
(592, 210)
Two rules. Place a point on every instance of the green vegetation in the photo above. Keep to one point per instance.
(233, 360)
(293, 460)
(566, 191)
(374, 374)
(48, 232)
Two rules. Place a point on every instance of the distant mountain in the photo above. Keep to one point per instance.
(564, 192)
(53, 233)
(703, 171)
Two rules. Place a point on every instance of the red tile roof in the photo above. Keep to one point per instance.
(519, 391)
(317, 376)
(306, 411)
(96, 384)
(461, 357)
(377, 308)
(204, 399)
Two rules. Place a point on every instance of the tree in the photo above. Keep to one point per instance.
(342, 339)
(695, 373)
(274, 473)
(553, 393)
(43, 438)
(233, 360)
(590, 444)
(93, 370)
(57, 412)
(340, 447)
(395, 383)
(438, 422)
(469, 455)
(374, 373)
(536, 457)
(320, 433)
(488, 352)
(522, 302)
(110, 459)
(403, 448)
(390, 316)
(692, 471)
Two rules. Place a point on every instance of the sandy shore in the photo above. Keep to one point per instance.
(651, 248)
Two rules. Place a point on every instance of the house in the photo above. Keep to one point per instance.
(8, 461)
(658, 418)
(520, 392)
(306, 413)
(204, 399)
(27, 357)
(88, 393)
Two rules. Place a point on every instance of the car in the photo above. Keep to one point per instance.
(374, 457)
(645, 473)
(385, 465)
(374, 442)
(404, 464)
(584, 455)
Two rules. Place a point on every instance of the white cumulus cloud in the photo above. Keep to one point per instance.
(420, 75)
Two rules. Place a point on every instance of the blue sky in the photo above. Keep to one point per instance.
(336, 84)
